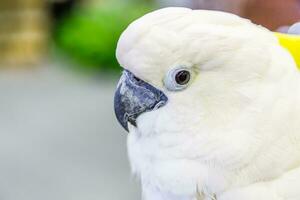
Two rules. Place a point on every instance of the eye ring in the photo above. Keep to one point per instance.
(178, 79)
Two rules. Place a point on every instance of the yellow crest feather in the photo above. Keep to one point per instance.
(292, 44)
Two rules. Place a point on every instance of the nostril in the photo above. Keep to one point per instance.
(137, 79)
(132, 77)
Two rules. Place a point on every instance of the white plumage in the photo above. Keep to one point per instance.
(234, 132)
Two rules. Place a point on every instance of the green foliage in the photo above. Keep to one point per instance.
(90, 36)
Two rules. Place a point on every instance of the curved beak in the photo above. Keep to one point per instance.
(134, 97)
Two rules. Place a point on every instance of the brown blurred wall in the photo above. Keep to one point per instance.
(269, 13)
(272, 13)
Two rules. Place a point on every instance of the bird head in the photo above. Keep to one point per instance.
(184, 67)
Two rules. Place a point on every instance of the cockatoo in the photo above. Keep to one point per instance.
(212, 105)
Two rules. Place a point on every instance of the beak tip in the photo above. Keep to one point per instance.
(122, 121)
(125, 127)
(119, 110)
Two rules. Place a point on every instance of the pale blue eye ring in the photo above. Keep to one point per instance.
(178, 79)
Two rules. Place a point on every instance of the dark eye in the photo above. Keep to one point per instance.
(182, 77)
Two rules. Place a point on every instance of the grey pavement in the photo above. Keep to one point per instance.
(59, 139)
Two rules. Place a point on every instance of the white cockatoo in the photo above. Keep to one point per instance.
(212, 106)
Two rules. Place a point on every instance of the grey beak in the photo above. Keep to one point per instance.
(134, 97)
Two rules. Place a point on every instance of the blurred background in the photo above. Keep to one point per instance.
(58, 135)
